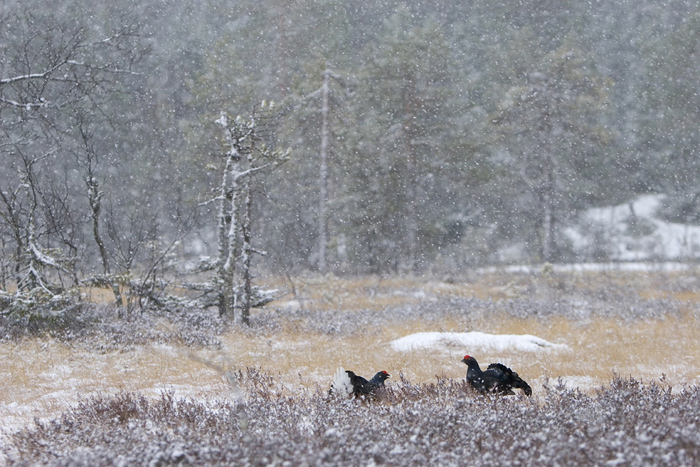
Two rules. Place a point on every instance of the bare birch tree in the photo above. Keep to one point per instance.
(248, 154)
(52, 72)
(87, 160)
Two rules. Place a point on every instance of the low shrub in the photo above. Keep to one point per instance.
(441, 423)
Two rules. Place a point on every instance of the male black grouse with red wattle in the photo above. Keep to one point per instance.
(497, 379)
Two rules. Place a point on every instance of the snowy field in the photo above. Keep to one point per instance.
(633, 233)
(567, 333)
(438, 424)
(569, 330)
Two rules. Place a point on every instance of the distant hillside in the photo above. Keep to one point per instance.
(634, 232)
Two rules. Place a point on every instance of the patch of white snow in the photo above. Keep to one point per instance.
(658, 239)
(495, 342)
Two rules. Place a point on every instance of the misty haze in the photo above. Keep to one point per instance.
(209, 211)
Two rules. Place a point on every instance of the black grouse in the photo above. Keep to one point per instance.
(497, 379)
(348, 383)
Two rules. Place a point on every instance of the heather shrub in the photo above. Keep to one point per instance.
(440, 423)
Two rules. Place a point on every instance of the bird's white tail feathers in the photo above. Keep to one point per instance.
(342, 385)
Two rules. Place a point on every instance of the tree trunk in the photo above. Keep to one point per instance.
(95, 197)
(411, 178)
(548, 240)
(229, 266)
(323, 172)
(227, 231)
(15, 225)
(246, 255)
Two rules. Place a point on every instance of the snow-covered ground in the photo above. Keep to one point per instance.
(634, 232)
(636, 239)
(474, 340)
(628, 266)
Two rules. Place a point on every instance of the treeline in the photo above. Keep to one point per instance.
(425, 136)
(456, 134)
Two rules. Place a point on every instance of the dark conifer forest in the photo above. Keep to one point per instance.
(422, 136)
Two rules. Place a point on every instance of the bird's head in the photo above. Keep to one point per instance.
(383, 375)
(467, 359)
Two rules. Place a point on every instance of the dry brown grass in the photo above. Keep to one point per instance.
(39, 377)
(648, 349)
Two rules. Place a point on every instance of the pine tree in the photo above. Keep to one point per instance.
(552, 142)
(670, 131)
(405, 92)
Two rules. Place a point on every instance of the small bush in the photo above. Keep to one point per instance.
(104, 327)
(36, 312)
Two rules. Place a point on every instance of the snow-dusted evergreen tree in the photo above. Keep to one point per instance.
(326, 97)
(406, 74)
(553, 142)
(248, 154)
(671, 132)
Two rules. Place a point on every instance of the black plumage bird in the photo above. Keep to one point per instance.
(497, 379)
(348, 383)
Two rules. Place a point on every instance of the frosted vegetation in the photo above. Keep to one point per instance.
(274, 407)
(442, 423)
(240, 197)
(580, 298)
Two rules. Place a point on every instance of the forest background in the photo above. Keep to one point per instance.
(425, 137)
